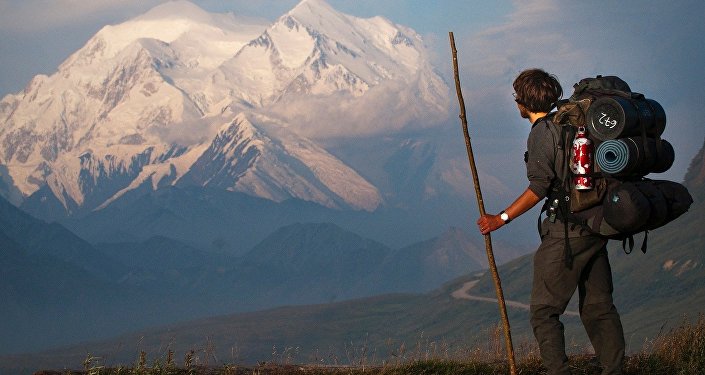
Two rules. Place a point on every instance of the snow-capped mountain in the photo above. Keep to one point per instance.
(182, 96)
(315, 50)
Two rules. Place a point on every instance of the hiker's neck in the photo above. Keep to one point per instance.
(533, 116)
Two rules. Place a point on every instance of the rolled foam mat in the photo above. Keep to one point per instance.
(634, 156)
(613, 156)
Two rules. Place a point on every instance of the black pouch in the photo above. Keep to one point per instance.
(635, 206)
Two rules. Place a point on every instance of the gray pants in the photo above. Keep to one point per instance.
(553, 286)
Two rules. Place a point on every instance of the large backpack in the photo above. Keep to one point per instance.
(626, 129)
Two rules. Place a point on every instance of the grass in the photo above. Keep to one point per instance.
(680, 351)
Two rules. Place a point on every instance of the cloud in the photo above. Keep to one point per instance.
(190, 132)
(389, 107)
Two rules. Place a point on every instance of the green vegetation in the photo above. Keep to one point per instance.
(681, 351)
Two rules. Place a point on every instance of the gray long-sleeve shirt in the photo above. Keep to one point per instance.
(545, 166)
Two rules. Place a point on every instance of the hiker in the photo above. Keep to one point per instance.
(569, 256)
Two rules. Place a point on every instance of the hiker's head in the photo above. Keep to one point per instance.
(536, 91)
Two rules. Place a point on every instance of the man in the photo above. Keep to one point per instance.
(569, 256)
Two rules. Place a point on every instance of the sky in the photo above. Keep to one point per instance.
(657, 47)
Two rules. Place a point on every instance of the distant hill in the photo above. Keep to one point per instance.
(311, 263)
(231, 222)
(321, 262)
(64, 289)
(52, 241)
(435, 261)
(695, 176)
(51, 281)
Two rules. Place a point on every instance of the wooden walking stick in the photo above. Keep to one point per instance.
(481, 205)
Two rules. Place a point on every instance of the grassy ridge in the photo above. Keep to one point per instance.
(390, 329)
(681, 351)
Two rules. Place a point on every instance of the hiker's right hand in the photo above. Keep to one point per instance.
(488, 223)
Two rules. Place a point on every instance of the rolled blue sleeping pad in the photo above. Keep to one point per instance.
(631, 156)
(613, 156)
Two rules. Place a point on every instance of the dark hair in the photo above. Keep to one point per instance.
(537, 90)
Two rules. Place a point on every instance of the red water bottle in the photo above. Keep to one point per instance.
(581, 165)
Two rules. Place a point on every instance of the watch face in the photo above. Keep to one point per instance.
(504, 216)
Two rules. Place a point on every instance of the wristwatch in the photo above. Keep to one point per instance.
(503, 215)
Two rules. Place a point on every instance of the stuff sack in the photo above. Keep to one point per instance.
(631, 207)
